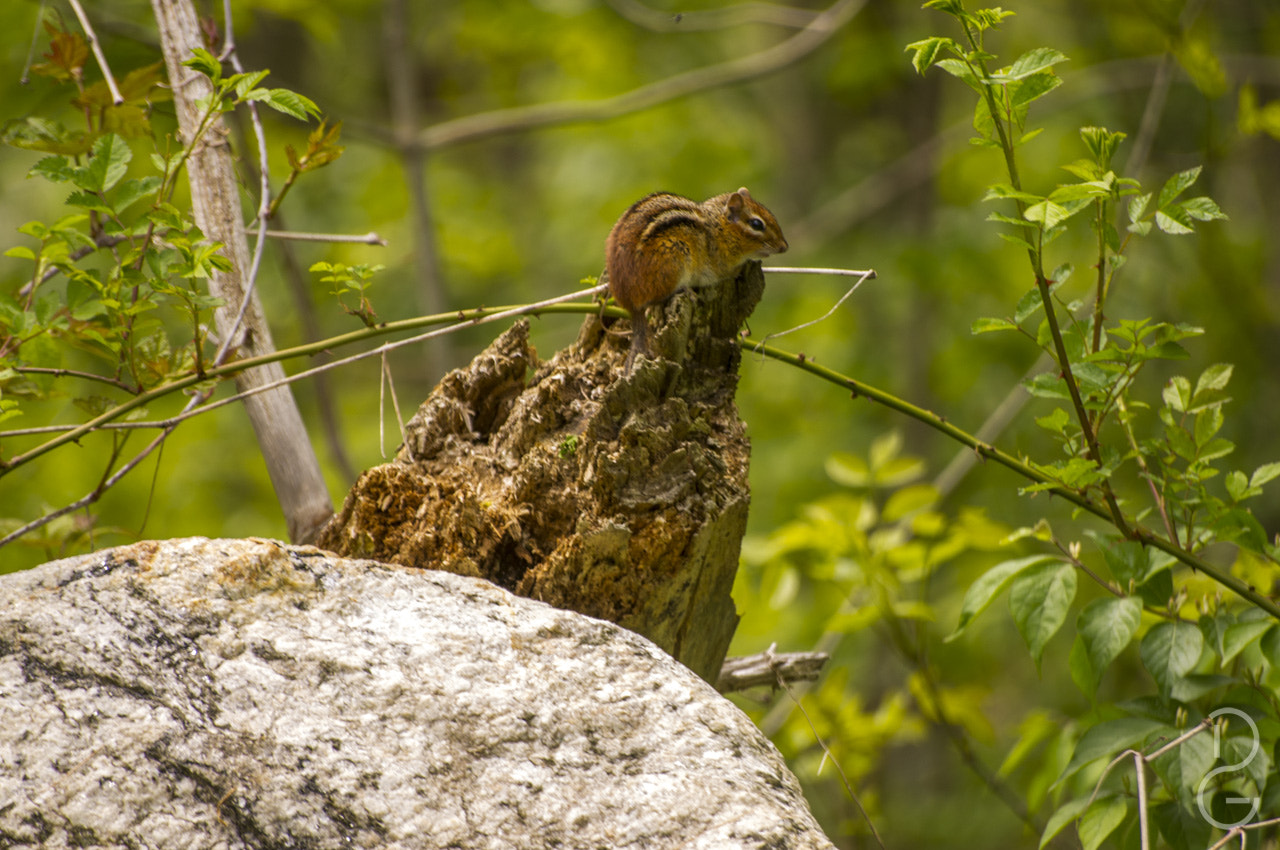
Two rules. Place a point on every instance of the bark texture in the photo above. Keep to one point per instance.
(215, 202)
(239, 693)
(623, 497)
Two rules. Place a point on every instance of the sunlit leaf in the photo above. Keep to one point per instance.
(990, 585)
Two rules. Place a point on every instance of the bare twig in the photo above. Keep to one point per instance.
(369, 238)
(232, 335)
(497, 122)
(31, 51)
(98, 55)
(861, 275)
(385, 381)
(764, 668)
(1239, 831)
(782, 683)
(74, 373)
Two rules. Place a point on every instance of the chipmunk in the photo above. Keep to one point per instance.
(665, 242)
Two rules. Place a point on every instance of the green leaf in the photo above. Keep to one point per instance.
(1102, 143)
(1065, 814)
(1177, 394)
(843, 468)
(1003, 191)
(1108, 739)
(1138, 207)
(1263, 474)
(1047, 213)
(1240, 635)
(1238, 486)
(1208, 423)
(1215, 377)
(1025, 92)
(1100, 820)
(1039, 600)
(108, 163)
(909, 500)
(987, 325)
(1076, 191)
(1176, 185)
(1184, 767)
(927, 50)
(1203, 209)
(1081, 669)
(1171, 650)
(1084, 169)
(1270, 646)
(1168, 223)
(1107, 626)
(245, 83)
(132, 191)
(206, 63)
(960, 71)
(55, 169)
(990, 585)
(1029, 304)
(1055, 422)
(1033, 62)
(282, 100)
(1183, 828)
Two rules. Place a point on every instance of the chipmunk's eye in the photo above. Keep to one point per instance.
(757, 224)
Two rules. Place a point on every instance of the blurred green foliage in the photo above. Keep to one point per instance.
(865, 163)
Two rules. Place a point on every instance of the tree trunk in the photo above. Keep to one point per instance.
(282, 437)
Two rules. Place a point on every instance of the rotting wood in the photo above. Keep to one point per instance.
(620, 497)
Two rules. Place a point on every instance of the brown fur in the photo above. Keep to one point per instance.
(664, 242)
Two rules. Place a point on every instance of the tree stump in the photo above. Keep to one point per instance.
(623, 497)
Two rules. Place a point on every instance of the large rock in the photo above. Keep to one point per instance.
(243, 693)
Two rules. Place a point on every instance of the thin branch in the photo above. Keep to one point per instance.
(473, 127)
(1146, 472)
(101, 59)
(557, 305)
(1239, 831)
(103, 486)
(989, 452)
(31, 51)
(233, 333)
(75, 373)
(1140, 771)
(370, 238)
(464, 318)
(765, 668)
(861, 275)
(827, 752)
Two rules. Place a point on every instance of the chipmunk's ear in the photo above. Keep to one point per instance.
(738, 202)
(746, 196)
